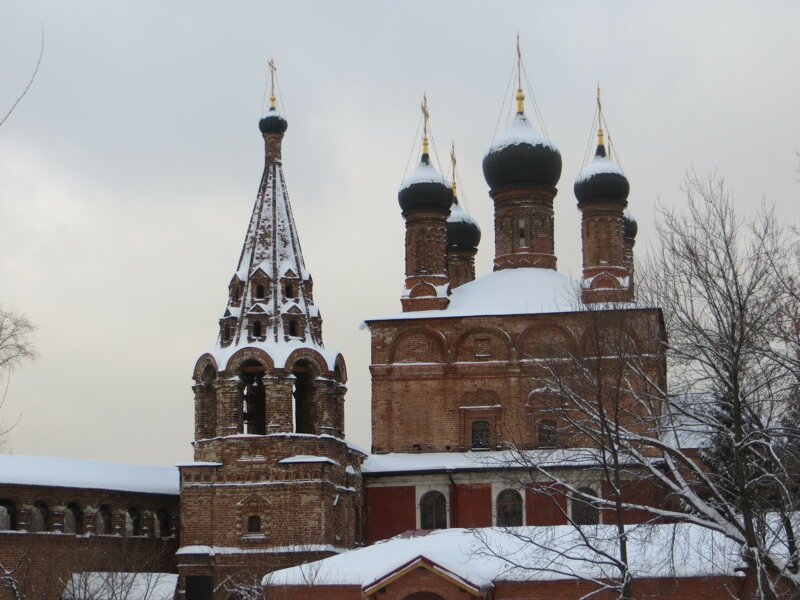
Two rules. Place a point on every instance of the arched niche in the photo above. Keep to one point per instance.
(202, 365)
(251, 373)
(418, 345)
(548, 341)
(482, 344)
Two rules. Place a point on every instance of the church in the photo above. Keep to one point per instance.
(464, 432)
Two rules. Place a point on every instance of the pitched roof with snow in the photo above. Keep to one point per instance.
(88, 474)
(480, 557)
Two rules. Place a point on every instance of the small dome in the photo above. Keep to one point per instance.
(601, 180)
(462, 229)
(425, 189)
(631, 227)
(273, 122)
(522, 155)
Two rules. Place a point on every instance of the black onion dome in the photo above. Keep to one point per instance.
(522, 156)
(273, 122)
(602, 180)
(425, 189)
(630, 225)
(462, 229)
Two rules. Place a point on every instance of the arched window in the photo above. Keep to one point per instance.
(480, 435)
(73, 519)
(254, 524)
(103, 520)
(257, 329)
(585, 512)
(548, 434)
(40, 517)
(433, 511)
(8, 516)
(260, 291)
(133, 522)
(509, 509)
(163, 526)
(303, 398)
(254, 398)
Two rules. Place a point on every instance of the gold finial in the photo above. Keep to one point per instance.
(600, 140)
(453, 162)
(520, 95)
(273, 101)
(425, 117)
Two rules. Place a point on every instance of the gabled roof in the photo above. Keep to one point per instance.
(420, 562)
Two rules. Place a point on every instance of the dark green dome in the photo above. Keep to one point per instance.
(462, 229)
(602, 181)
(273, 122)
(425, 189)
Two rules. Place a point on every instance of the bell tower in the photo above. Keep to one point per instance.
(273, 482)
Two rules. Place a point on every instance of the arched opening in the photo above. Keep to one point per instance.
(133, 522)
(254, 524)
(253, 410)
(103, 520)
(480, 435)
(509, 509)
(163, 525)
(73, 519)
(8, 515)
(40, 517)
(303, 397)
(548, 434)
(259, 291)
(585, 512)
(433, 511)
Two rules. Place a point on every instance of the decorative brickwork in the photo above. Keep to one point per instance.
(426, 261)
(523, 227)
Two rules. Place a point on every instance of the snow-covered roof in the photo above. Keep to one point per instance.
(421, 462)
(507, 292)
(88, 474)
(279, 352)
(459, 215)
(306, 458)
(131, 586)
(424, 173)
(521, 131)
(600, 164)
(674, 550)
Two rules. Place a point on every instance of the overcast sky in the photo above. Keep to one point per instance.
(128, 173)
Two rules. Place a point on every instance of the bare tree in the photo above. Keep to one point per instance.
(28, 85)
(15, 346)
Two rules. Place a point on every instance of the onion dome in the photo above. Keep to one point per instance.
(273, 122)
(462, 229)
(630, 225)
(601, 180)
(425, 188)
(522, 155)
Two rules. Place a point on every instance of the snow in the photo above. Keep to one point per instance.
(215, 550)
(521, 131)
(507, 292)
(279, 351)
(131, 586)
(88, 474)
(424, 173)
(304, 458)
(378, 464)
(459, 215)
(673, 550)
(600, 164)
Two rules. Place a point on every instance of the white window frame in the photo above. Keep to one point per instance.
(421, 490)
(499, 486)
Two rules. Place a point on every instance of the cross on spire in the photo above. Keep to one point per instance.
(425, 117)
(520, 94)
(453, 163)
(272, 69)
(600, 140)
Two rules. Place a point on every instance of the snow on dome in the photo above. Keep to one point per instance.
(459, 215)
(424, 173)
(521, 131)
(507, 292)
(600, 164)
(669, 550)
(88, 474)
(279, 352)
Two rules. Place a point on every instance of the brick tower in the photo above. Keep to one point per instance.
(522, 169)
(425, 199)
(463, 237)
(602, 192)
(273, 482)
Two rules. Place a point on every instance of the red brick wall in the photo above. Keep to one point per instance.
(545, 509)
(472, 505)
(390, 511)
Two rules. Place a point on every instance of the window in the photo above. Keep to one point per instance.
(303, 398)
(585, 512)
(133, 522)
(103, 520)
(163, 528)
(480, 435)
(257, 329)
(254, 524)
(254, 398)
(548, 434)
(8, 516)
(40, 517)
(289, 290)
(293, 328)
(73, 519)
(433, 511)
(509, 509)
(521, 233)
(259, 292)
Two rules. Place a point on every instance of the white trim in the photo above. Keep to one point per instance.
(499, 486)
(421, 490)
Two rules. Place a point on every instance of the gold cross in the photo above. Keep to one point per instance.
(272, 70)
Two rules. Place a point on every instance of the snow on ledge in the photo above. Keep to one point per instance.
(304, 458)
(216, 550)
(88, 474)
